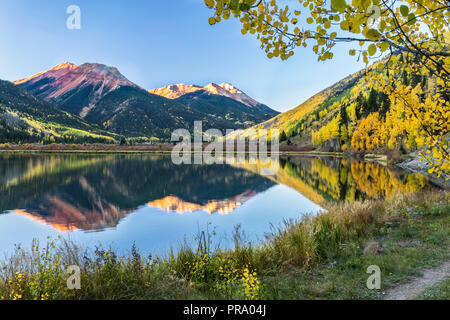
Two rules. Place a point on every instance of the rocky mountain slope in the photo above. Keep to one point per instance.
(75, 89)
(224, 89)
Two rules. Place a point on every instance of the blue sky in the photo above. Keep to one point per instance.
(156, 43)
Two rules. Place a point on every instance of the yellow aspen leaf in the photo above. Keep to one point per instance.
(404, 10)
(384, 46)
(373, 34)
(344, 25)
(212, 21)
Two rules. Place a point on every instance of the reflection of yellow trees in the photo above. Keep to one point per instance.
(345, 180)
(289, 175)
(326, 177)
(352, 180)
(294, 176)
(377, 181)
(33, 167)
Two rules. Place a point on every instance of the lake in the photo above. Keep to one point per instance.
(146, 200)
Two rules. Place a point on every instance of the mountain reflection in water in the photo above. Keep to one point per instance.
(95, 192)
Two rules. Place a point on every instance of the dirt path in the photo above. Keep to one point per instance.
(415, 287)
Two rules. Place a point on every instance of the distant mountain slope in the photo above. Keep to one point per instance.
(225, 89)
(103, 96)
(175, 90)
(75, 88)
(225, 101)
(288, 121)
(135, 112)
(23, 116)
(230, 91)
(238, 115)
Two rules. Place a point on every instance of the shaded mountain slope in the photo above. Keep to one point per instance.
(23, 116)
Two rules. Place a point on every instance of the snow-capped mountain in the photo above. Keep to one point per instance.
(230, 91)
(175, 91)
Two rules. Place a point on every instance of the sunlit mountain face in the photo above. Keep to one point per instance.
(88, 192)
(225, 206)
(104, 98)
(223, 89)
(75, 88)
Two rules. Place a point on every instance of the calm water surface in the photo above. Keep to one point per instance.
(117, 200)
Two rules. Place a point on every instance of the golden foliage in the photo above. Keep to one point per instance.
(417, 28)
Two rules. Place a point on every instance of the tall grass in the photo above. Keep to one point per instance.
(202, 271)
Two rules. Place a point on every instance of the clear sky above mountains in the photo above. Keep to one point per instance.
(155, 43)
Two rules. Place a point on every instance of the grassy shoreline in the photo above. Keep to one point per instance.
(322, 257)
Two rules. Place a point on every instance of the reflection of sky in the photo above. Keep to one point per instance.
(156, 231)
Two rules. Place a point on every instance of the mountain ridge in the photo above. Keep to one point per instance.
(288, 121)
(75, 88)
(101, 95)
(225, 89)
